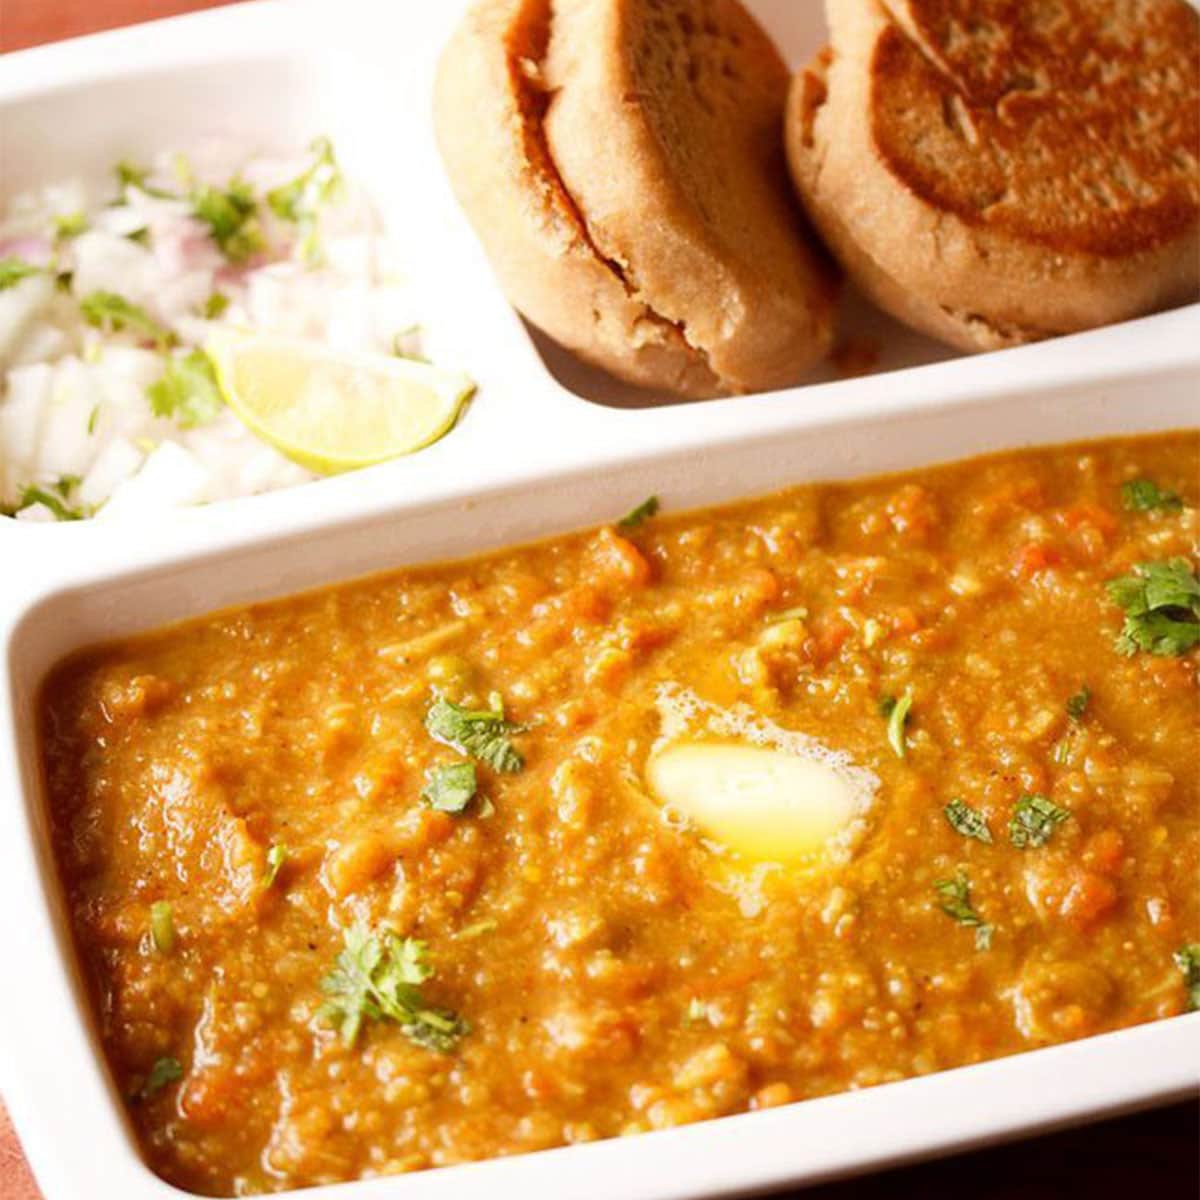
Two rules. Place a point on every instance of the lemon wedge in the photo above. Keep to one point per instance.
(333, 411)
(763, 803)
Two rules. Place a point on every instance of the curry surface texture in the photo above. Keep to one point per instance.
(616, 971)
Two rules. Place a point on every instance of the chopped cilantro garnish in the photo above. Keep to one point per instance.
(1144, 495)
(93, 417)
(276, 857)
(165, 1070)
(215, 306)
(640, 515)
(378, 977)
(1077, 705)
(483, 734)
(187, 392)
(303, 196)
(955, 901)
(232, 219)
(968, 821)
(13, 270)
(1187, 959)
(110, 312)
(1162, 608)
(55, 497)
(450, 788)
(300, 201)
(69, 225)
(140, 236)
(1034, 820)
(896, 711)
(162, 926)
(131, 175)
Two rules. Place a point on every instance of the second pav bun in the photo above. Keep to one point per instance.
(622, 164)
(998, 173)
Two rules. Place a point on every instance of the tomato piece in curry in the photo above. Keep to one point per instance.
(372, 880)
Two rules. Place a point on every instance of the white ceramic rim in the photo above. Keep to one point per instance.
(72, 1126)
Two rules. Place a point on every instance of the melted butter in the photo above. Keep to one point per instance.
(764, 793)
(762, 803)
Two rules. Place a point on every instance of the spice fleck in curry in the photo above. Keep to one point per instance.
(676, 818)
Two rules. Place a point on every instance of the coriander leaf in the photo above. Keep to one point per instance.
(1187, 959)
(232, 219)
(56, 503)
(1159, 634)
(131, 175)
(276, 857)
(165, 1070)
(480, 734)
(13, 270)
(640, 515)
(450, 788)
(1034, 820)
(108, 311)
(1144, 495)
(215, 306)
(378, 977)
(162, 926)
(968, 821)
(69, 225)
(1170, 584)
(1162, 608)
(1077, 705)
(896, 712)
(93, 417)
(187, 393)
(955, 901)
(300, 201)
(435, 1029)
(349, 985)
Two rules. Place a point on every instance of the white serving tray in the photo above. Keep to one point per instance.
(546, 447)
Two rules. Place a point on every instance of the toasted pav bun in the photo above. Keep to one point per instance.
(622, 164)
(994, 173)
(489, 104)
(664, 127)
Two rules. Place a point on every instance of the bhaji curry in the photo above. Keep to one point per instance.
(684, 816)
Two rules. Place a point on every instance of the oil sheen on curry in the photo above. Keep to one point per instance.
(684, 816)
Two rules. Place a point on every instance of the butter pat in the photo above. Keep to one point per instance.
(761, 802)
